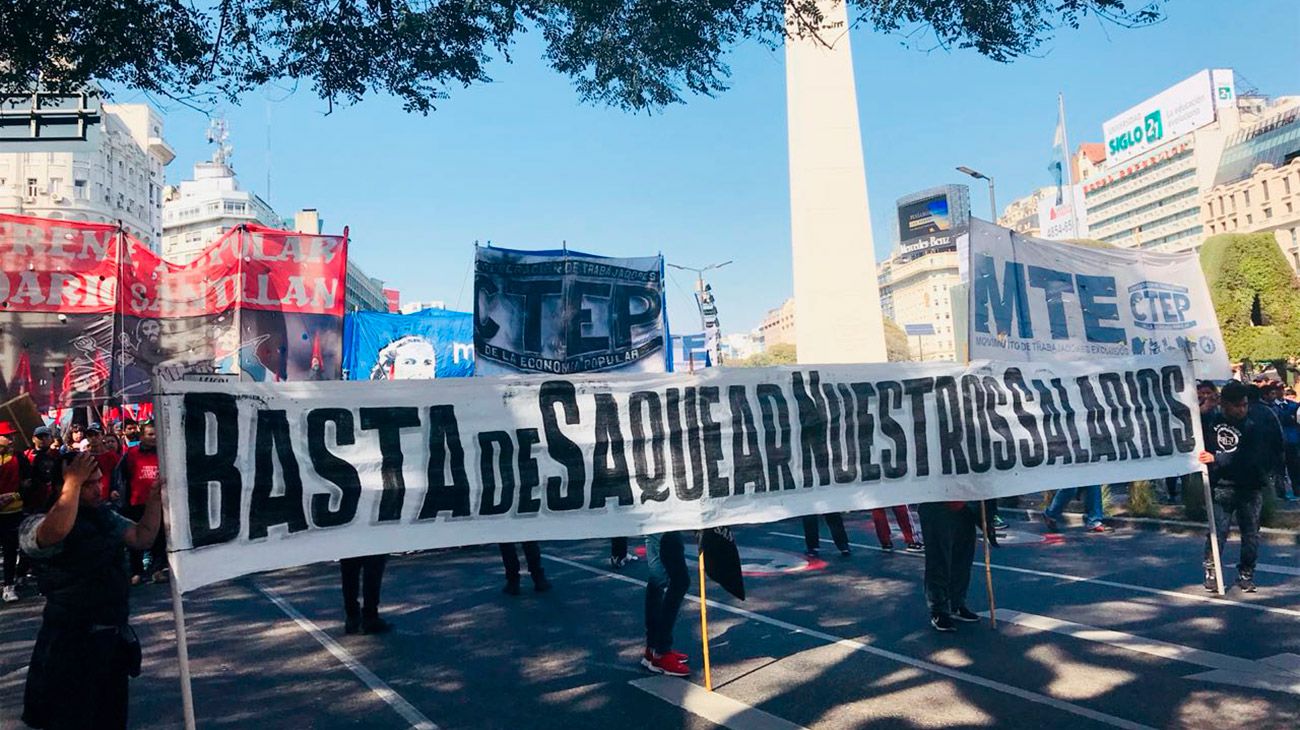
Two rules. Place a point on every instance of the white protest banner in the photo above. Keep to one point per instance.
(266, 476)
(1033, 300)
(565, 312)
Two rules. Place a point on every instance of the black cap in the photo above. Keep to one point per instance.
(42, 431)
(94, 428)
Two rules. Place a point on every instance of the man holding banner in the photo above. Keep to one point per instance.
(85, 648)
(1239, 457)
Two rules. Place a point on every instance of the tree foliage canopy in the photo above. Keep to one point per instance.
(632, 54)
(896, 344)
(1255, 295)
(778, 354)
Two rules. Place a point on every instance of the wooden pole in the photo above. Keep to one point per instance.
(178, 605)
(704, 628)
(1199, 433)
(988, 567)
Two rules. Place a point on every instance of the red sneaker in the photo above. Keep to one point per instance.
(665, 664)
(683, 658)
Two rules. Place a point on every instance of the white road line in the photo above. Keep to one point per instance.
(1132, 642)
(378, 686)
(1283, 569)
(1193, 597)
(715, 707)
(885, 653)
(1262, 674)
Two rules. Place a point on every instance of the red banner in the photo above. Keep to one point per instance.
(89, 315)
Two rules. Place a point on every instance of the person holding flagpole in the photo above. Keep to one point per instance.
(664, 592)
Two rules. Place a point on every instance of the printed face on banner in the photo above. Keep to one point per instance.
(420, 346)
(1038, 300)
(567, 313)
(271, 476)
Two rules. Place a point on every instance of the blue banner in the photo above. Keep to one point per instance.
(434, 343)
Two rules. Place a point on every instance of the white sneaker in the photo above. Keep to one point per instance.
(10, 594)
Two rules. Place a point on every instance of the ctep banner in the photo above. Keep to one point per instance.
(565, 312)
(1033, 300)
(265, 476)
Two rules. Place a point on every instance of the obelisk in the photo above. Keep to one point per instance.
(836, 299)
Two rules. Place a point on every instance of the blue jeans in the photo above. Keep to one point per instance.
(1092, 511)
(666, 558)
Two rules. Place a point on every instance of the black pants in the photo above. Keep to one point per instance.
(9, 543)
(77, 680)
(949, 552)
(367, 574)
(1246, 505)
(666, 588)
(1291, 460)
(532, 556)
(157, 553)
(812, 532)
(618, 547)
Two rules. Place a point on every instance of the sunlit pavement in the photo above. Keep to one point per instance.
(1094, 631)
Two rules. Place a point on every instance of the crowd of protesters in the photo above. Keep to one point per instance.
(80, 510)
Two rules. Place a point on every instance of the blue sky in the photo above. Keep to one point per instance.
(520, 162)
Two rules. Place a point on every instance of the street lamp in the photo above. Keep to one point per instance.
(700, 300)
(699, 285)
(993, 203)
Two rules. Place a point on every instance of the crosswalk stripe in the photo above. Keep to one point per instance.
(1179, 595)
(715, 707)
(854, 645)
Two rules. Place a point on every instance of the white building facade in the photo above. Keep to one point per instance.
(1161, 158)
(112, 174)
(201, 210)
(916, 291)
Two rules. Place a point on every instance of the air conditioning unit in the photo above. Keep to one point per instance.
(58, 198)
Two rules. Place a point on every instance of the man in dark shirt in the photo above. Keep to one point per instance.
(1242, 441)
(85, 650)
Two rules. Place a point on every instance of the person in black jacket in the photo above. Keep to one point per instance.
(1242, 441)
(85, 650)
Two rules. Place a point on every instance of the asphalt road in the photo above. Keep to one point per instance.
(1094, 631)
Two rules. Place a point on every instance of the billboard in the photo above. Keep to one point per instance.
(1179, 110)
(924, 218)
(1064, 220)
(565, 312)
(931, 220)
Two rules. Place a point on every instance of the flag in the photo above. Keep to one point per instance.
(1056, 166)
(722, 560)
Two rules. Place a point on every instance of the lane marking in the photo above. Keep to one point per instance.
(1270, 674)
(370, 679)
(715, 707)
(1283, 569)
(1194, 597)
(884, 653)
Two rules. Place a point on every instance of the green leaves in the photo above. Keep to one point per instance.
(1242, 269)
(630, 54)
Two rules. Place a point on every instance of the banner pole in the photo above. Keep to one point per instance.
(988, 567)
(183, 656)
(1199, 432)
(178, 605)
(704, 628)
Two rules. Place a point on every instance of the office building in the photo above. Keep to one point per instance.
(69, 157)
(778, 327)
(1161, 158)
(1257, 187)
(203, 209)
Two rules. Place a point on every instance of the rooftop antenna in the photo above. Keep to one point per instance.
(219, 134)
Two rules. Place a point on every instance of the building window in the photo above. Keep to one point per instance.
(32, 187)
(1286, 186)
(1263, 184)
(1249, 219)
(1245, 198)
(1268, 213)
(79, 189)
